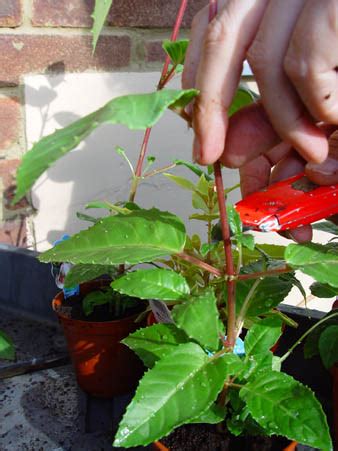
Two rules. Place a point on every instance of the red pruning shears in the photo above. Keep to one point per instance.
(288, 204)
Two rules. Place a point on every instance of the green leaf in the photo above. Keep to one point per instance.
(283, 406)
(316, 260)
(213, 415)
(91, 300)
(322, 290)
(247, 240)
(158, 284)
(255, 364)
(243, 97)
(193, 168)
(7, 349)
(262, 336)
(107, 206)
(155, 342)
(138, 237)
(84, 273)
(176, 50)
(328, 346)
(99, 16)
(136, 111)
(326, 226)
(234, 219)
(199, 319)
(204, 217)
(179, 388)
(181, 181)
(270, 292)
(311, 345)
(87, 218)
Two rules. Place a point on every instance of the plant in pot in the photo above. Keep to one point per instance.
(211, 361)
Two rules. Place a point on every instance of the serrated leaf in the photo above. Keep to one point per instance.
(247, 240)
(138, 237)
(160, 403)
(84, 273)
(326, 226)
(181, 181)
(176, 50)
(234, 220)
(136, 111)
(99, 16)
(213, 415)
(158, 284)
(7, 349)
(155, 342)
(270, 292)
(256, 363)
(95, 298)
(283, 406)
(243, 97)
(193, 168)
(322, 290)
(198, 317)
(262, 336)
(316, 260)
(328, 346)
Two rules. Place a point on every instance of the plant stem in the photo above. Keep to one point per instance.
(323, 320)
(245, 306)
(159, 171)
(229, 270)
(258, 275)
(174, 35)
(200, 263)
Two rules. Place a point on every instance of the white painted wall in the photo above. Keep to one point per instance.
(94, 171)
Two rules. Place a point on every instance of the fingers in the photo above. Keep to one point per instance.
(219, 71)
(327, 172)
(280, 100)
(312, 68)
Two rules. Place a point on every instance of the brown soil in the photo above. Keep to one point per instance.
(205, 437)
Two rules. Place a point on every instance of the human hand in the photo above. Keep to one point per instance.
(296, 73)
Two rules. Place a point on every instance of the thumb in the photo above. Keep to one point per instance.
(326, 173)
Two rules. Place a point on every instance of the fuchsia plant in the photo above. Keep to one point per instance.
(216, 289)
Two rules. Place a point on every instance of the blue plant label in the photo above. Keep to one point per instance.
(239, 347)
(60, 272)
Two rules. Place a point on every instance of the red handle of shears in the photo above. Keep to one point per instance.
(288, 204)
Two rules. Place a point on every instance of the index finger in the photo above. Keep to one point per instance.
(225, 44)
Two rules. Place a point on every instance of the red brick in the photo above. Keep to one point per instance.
(124, 13)
(9, 122)
(14, 232)
(7, 175)
(154, 51)
(10, 13)
(22, 54)
(62, 13)
(150, 13)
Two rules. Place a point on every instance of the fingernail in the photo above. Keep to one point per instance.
(329, 167)
(196, 153)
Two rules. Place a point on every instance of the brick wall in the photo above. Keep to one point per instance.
(44, 36)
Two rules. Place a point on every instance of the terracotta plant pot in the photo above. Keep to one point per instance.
(104, 367)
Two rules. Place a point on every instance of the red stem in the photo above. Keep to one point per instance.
(200, 263)
(162, 82)
(174, 34)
